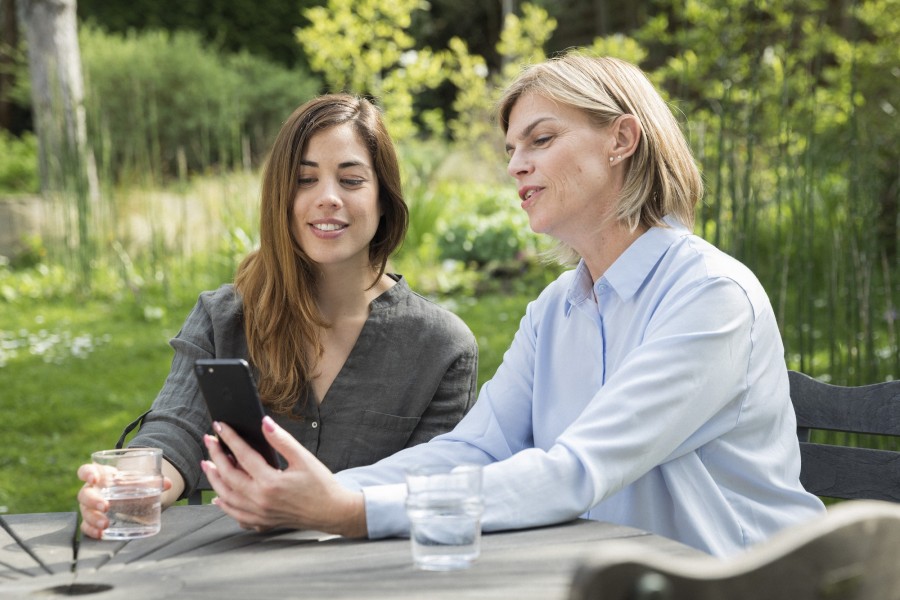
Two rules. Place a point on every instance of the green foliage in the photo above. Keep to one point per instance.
(18, 164)
(790, 122)
(364, 47)
(522, 39)
(485, 227)
(232, 25)
(153, 114)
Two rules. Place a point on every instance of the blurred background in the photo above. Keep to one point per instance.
(132, 134)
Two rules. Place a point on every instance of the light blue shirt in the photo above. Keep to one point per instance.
(656, 397)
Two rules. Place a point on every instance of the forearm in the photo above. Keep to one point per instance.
(171, 495)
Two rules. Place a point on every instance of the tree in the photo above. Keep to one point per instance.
(57, 91)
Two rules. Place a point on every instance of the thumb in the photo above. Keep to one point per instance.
(284, 443)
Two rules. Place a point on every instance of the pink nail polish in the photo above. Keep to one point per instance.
(268, 424)
(217, 426)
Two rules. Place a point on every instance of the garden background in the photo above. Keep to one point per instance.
(790, 107)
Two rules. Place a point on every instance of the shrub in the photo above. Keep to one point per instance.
(483, 226)
(18, 163)
(163, 103)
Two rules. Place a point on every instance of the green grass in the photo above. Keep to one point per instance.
(58, 407)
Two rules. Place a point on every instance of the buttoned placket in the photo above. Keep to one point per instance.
(600, 290)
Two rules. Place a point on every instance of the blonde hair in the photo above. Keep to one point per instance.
(661, 177)
(277, 281)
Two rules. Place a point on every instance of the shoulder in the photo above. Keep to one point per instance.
(694, 262)
(225, 299)
(223, 308)
(415, 312)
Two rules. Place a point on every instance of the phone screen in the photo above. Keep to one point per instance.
(231, 397)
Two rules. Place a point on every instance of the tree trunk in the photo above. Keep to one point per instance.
(57, 94)
(68, 170)
(9, 39)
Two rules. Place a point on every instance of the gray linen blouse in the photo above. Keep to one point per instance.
(411, 376)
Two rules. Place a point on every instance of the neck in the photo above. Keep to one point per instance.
(347, 291)
(608, 246)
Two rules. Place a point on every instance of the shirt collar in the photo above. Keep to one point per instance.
(629, 272)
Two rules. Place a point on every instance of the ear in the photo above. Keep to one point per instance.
(626, 132)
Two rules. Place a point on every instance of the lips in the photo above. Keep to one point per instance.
(527, 191)
(326, 229)
(329, 226)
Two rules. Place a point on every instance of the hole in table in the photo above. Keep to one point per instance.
(77, 589)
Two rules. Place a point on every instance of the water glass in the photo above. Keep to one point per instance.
(132, 482)
(444, 506)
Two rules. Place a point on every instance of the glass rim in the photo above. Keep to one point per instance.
(118, 452)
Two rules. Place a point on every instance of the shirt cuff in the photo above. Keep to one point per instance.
(386, 511)
(347, 482)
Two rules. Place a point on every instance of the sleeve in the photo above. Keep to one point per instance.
(178, 417)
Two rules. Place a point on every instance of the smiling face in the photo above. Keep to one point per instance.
(560, 162)
(336, 210)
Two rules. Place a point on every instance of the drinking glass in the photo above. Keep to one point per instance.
(444, 505)
(131, 481)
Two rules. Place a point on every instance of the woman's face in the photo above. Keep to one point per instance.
(336, 210)
(560, 162)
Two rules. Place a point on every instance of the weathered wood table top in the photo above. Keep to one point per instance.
(203, 554)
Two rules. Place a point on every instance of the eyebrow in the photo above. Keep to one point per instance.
(529, 129)
(344, 165)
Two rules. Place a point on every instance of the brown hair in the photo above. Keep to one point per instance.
(277, 281)
(661, 177)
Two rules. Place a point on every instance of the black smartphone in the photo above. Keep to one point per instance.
(231, 397)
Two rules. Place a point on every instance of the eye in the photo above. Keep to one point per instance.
(352, 181)
(542, 140)
(305, 181)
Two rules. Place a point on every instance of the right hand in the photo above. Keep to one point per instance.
(91, 503)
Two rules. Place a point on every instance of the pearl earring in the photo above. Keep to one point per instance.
(611, 159)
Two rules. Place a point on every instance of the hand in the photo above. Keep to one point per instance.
(305, 495)
(92, 504)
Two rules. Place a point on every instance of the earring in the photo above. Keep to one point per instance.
(611, 159)
(619, 157)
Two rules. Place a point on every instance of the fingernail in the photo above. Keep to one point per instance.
(268, 424)
(203, 466)
(217, 426)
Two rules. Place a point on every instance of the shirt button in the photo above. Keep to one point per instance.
(315, 424)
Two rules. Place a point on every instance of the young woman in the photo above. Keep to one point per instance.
(645, 387)
(348, 360)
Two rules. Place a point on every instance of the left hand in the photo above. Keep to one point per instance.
(305, 495)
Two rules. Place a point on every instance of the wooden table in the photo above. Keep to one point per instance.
(202, 554)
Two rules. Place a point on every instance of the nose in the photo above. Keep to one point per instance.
(518, 164)
(329, 197)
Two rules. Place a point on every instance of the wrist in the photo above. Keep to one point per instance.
(352, 522)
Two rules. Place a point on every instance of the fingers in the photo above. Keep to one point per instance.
(284, 443)
(93, 511)
(92, 505)
(245, 456)
(90, 529)
(89, 473)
